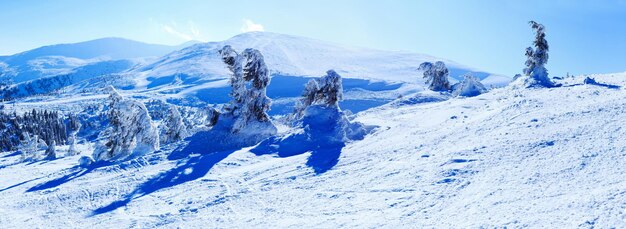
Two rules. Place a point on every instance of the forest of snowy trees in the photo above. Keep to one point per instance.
(45, 125)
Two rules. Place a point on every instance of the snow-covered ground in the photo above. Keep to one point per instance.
(510, 158)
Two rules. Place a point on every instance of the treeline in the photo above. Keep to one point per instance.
(48, 126)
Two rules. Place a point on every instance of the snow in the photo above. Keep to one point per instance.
(512, 157)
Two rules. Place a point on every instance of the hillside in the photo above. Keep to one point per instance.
(513, 157)
(299, 56)
(60, 59)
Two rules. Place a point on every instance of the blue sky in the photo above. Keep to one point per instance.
(584, 36)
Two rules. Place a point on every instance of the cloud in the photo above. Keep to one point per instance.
(250, 26)
(169, 29)
(191, 32)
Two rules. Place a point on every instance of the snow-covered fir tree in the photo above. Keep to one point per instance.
(470, 86)
(436, 75)
(537, 58)
(130, 129)
(327, 91)
(51, 152)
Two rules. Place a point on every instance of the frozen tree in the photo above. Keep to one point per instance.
(248, 81)
(51, 152)
(436, 75)
(130, 129)
(470, 86)
(331, 88)
(327, 91)
(71, 151)
(28, 145)
(73, 126)
(255, 70)
(237, 84)
(173, 126)
(537, 58)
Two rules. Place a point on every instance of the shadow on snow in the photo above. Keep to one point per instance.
(191, 167)
(323, 157)
(75, 172)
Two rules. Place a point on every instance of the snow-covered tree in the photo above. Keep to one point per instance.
(51, 152)
(470, 86)
(256, 71)
(237, 84)
(436, 75)
(73, 126)
(537, 58)
(48, 125)
(248, 81)
(28, 145)
(130, 129)
(327, 91)
(173, 127)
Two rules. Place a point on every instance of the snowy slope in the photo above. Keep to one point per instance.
(509, 158)
(63, 58)
(299, 56)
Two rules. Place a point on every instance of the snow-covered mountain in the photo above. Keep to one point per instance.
(513, 157)
(64, 58)
(48, 68)
(197, 74)
(288, 55)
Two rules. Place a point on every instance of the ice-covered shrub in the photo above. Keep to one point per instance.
(85, 161)
(327, 91)
(51, 152)
(172, 126)
(436, 75)
(470, 86)
(130, 130)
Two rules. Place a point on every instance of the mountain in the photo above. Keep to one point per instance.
(197, 75)
(107, 48)
(513, 157)
(64, 58)
(299, 56)
(371, 77)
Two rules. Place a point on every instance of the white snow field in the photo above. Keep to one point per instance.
(513, 157)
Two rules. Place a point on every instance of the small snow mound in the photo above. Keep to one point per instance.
(421, 97)
(469, 87)
(85, 161)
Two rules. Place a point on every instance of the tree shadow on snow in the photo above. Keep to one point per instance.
(191, 167)
(324, 156)
(75, 172)
(592, 81)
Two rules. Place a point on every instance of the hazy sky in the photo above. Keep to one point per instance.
(584, 36)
